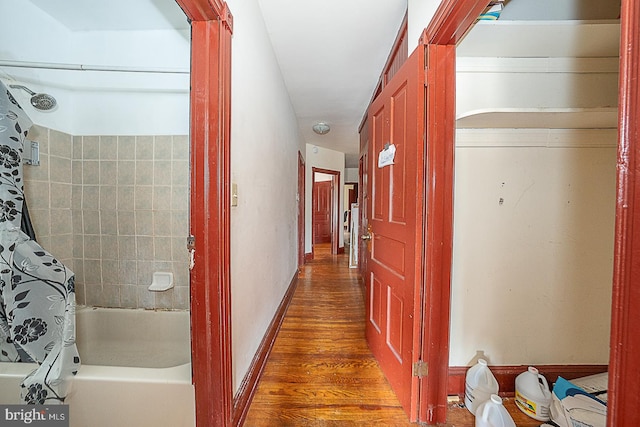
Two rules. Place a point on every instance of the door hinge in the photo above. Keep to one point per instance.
(191, 247)
(420, 369)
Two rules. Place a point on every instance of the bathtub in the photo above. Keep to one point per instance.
(136, 370)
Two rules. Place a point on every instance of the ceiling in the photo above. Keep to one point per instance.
(331, 52)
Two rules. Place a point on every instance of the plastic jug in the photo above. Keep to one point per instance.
(479, 385)
(492, 413)
(533, 396)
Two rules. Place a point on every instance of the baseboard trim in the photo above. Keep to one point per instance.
(308, 257)
(506, 375)
(243, 397)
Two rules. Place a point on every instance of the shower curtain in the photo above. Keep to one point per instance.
(37, 297)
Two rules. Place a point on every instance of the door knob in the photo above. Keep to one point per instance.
(366, 236)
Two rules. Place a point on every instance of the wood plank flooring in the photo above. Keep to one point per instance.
(321, 371)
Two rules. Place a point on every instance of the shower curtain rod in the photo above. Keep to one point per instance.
(83, 67)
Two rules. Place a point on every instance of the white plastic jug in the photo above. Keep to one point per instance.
(479, 385)
(533, 396)
(492, 413)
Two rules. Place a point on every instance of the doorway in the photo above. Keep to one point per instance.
(325, 202)
(350, 198)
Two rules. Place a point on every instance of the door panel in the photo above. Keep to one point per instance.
(390, 253)
(399, 178)
(322, 212)
(396, 117)
(395, 323)
(375, 304)
(379, 176)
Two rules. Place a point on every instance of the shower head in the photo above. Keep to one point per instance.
(40, 101)
(43, 101)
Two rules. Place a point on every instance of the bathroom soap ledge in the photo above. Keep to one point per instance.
(162, 281)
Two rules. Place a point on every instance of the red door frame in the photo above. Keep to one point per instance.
(450, 23)
(210, 104)
(335, 207)
(624, 363)
(301, 176)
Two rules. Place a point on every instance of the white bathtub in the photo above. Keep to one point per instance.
(136, 370)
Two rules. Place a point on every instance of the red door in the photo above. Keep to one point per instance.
(322, 192)
(395, 217)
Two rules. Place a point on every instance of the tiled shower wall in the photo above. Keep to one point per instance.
(51, 216)
(114, 209)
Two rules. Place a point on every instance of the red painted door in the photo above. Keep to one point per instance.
(322, 196)
(395, 216)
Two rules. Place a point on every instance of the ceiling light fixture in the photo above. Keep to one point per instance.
(321, 128)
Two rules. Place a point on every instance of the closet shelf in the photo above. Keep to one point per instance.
(531, 118)
(542, 39)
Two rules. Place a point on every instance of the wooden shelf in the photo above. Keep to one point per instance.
(535, 39)
(531, 118)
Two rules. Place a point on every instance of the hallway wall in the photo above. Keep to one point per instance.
(419, 15)
(264, 162)
(351, 175)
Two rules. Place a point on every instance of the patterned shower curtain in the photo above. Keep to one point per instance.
(37, 297)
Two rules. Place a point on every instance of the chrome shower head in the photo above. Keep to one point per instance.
(43, 101)
(40, 101)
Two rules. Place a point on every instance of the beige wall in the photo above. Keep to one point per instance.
(533, 246)
(264, 162)
(114, 209)
(534, 205)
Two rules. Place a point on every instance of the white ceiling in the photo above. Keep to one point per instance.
(331, 52)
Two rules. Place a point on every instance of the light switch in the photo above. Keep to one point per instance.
(234, 194)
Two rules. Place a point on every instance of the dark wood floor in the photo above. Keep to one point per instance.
(321, 372)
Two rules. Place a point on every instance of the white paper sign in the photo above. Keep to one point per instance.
(386, 156)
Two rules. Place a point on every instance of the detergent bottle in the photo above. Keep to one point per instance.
(492, 413)
(533, 396)
(479, 385)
